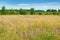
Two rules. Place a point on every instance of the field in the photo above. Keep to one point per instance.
(29, 27)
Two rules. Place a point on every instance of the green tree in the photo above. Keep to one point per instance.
(14, 12)
(3, 10)
(32, 11)
(0, 12)
(58, 12)
(51, 12)
(54, 12)
(48, 10)
(23, 12)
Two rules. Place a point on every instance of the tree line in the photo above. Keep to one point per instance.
(31, 11)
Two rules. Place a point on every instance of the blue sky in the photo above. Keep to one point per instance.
(27, 4)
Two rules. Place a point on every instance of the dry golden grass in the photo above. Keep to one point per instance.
(25, 20)
(14, 22)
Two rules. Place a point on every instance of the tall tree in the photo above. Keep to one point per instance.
(21, 11)
(32, 11)
(3, 10)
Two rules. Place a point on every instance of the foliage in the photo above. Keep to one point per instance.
(32, 11)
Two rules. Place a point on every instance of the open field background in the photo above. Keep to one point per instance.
(29, 27)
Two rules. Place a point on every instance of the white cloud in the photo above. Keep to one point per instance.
(43, 6)
(22, 4)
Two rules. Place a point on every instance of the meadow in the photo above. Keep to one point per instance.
(29, 27)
